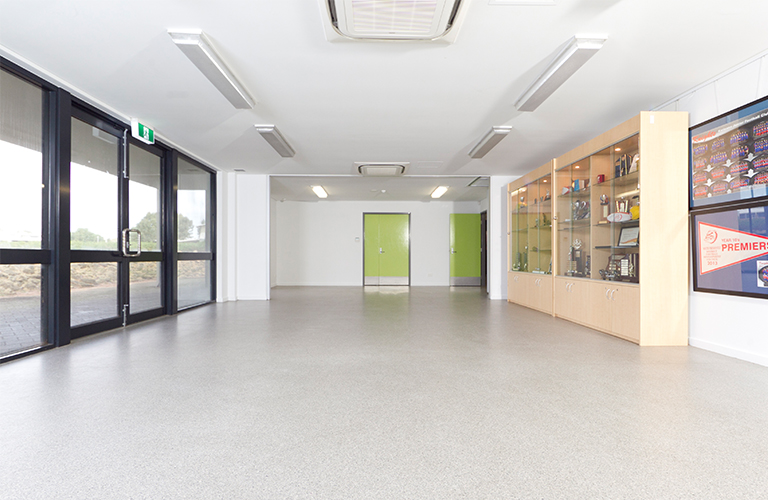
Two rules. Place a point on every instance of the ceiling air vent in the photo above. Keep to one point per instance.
(393, 19)
(381, 169)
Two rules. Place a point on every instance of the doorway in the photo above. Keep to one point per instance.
(465, 248)
(116, 215)
(386, 249)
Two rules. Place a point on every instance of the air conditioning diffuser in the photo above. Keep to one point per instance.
(381, 169)
(393, 19)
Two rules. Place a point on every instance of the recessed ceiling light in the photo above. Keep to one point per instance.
(199, 50)
(617, 149)
(439, 191)
(319, 191)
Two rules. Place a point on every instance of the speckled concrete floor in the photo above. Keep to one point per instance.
(344, 393)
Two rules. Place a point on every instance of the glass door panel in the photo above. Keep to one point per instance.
(94, 225)
(545, 224)
(94, 188)
(94, 293)
(514, 233)
(144, 206)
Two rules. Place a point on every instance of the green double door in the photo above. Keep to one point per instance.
(466, 249)
(386, 249)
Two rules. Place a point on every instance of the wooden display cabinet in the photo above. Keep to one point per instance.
(620, 269)
(530, 250)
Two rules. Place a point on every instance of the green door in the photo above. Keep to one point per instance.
(386, 250)
(465, 249)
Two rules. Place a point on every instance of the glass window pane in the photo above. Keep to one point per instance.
(194, 282)
(20, 308)
(194, 208)
(146, 286)
(144, 195)
(94, 292)
(94, 188)
(21, 163)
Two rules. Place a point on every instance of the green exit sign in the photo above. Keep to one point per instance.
(142, 132)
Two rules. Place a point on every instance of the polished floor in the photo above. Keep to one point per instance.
(391, 393)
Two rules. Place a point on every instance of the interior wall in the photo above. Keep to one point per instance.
(272, 242)
(497, 236)
(321, 243)
(726, 324)
(251, 237)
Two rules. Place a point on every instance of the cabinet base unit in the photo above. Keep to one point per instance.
(530, 290)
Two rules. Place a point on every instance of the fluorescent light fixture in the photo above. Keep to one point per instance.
(572, 57)
(199, 50)
(488, 141)
(276, 140)
(319, 191)
(439, 191)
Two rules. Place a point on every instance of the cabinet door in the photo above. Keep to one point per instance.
(544, 294)
(600, 305)
(562, 298)
(516, 287)
(625, 312)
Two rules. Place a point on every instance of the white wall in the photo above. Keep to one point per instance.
(725, 324)
(321, 243)
(497, 236)
(251, 237)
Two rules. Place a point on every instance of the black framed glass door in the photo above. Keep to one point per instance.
(116, 272)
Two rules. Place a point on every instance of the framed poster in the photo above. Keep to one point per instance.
(729, 157)
(731, 250)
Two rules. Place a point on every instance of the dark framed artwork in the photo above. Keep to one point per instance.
(729, 157)
(730, 250)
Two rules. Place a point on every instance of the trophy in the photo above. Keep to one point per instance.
(605, 202)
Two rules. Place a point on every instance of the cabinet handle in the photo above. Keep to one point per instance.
(612, 292)
(606, 293)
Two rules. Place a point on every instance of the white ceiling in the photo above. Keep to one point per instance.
(349, 188)
(340, 102)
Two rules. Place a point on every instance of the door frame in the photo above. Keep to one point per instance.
(409, 244)
(124, 316)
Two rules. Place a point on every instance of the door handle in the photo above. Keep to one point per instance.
(381, 250)
(452, 250)
(127, 244)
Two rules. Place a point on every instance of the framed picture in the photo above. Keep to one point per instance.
(629, 237)
(731, 250)
(729, 157)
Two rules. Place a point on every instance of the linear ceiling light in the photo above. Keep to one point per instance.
(276, 140)
(199, 50)
(439, 191)
(572, 57)
(489, 140)
(319, 191)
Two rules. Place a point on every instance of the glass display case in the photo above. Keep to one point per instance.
(530, 251)
(598, 209)
(531, 227)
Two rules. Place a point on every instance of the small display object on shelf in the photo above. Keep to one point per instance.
(629, 237)
(729, 157)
